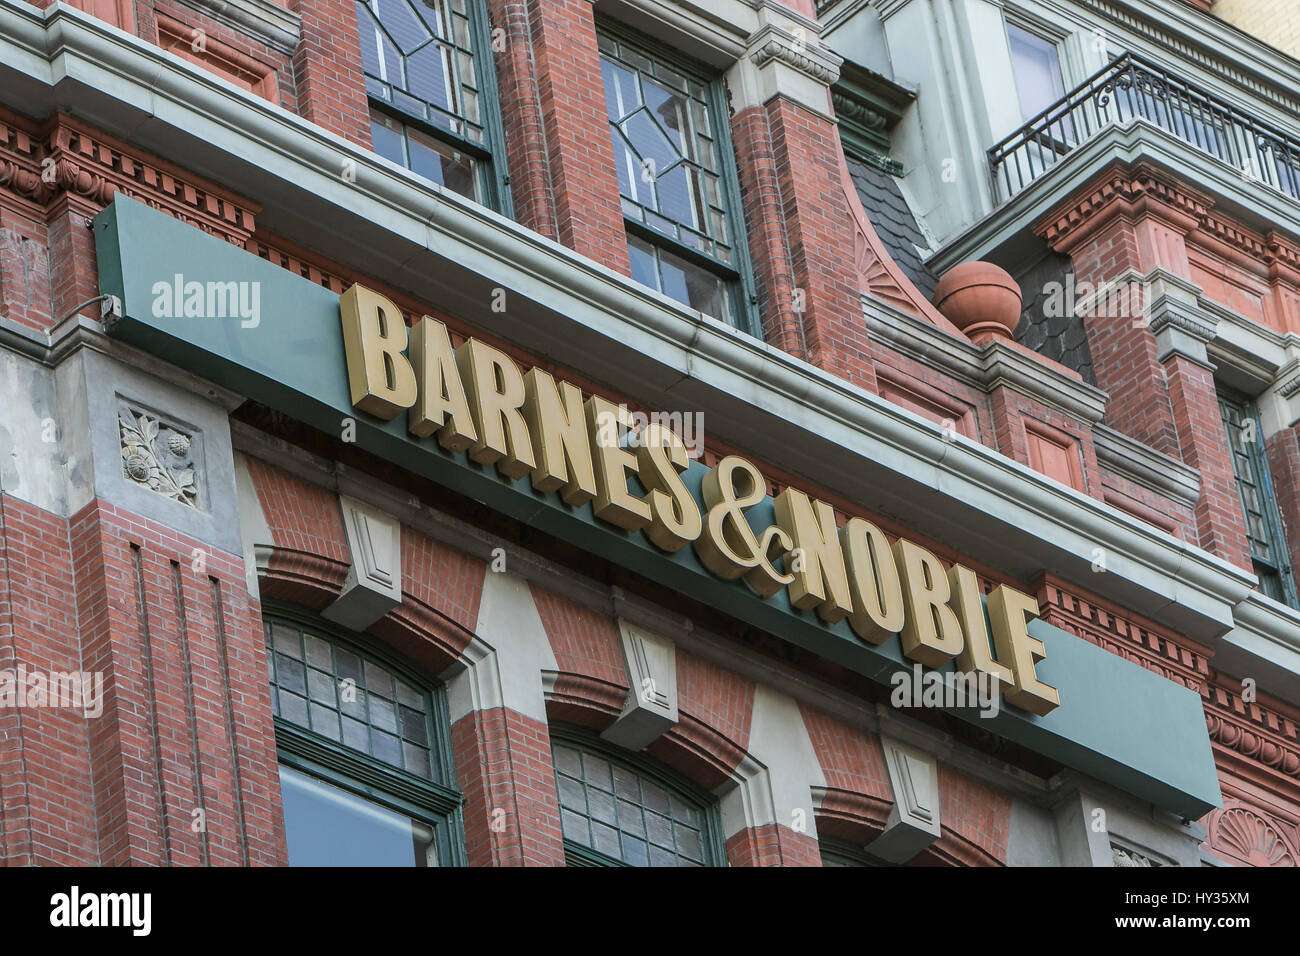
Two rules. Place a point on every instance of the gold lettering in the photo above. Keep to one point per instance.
(728, 547)
(976, 654)
(614, 503)
(496, 393)
(380, 379)
(674, 516)
(559, 428)
(820, 580)
(931, 633)
(440, 405)
(1009, 614)
(873, 576)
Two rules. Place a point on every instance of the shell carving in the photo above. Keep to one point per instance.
(1252, 839)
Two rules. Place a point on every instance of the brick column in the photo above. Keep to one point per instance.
(802, 240)
(327, 63)
(1283, 452)
(553, 103)
(1117, 231)
(521, 116)
(504, 768)
(1126, 235)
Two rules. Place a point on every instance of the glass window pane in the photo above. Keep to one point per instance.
(635, 822)
(372, 722)
(1037, 69)
(328, 826)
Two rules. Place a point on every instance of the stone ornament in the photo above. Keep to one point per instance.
(158, 456)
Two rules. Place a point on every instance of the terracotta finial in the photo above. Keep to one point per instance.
(981, 299)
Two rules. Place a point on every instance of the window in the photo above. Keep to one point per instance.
(1036, 64)
(619, 809)
(1268, 550)
(676, 176)
(838, 852)
(432, 96)
(363, 754)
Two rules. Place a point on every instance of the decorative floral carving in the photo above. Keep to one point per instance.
(1123, 857)
(157, 455)
(1251, 838)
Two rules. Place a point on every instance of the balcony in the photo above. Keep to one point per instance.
(1132, 88)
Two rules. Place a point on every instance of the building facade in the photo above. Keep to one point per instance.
(480, 432)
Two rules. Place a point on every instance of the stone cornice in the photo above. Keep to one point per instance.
(805, 55)
(1145, 466)
(985, 367)
(867, 106)
(262, 20)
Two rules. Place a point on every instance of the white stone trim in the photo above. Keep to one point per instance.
(650, 663)
(373, 585)
(262, 20)
(1145, 466)
(914, 819)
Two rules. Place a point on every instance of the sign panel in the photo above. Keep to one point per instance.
(538, 450)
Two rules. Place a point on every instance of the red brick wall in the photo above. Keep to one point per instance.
(818, 227)
(575, 127)
(331, 86)
(504, 769)
(46, 775)
(186, 723)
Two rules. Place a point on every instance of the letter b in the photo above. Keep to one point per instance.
(380, 378)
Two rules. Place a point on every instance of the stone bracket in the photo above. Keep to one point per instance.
(651, 708)
(1181, 328)
(374, 582)
(913, 822)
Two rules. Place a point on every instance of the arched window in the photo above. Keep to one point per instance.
(365, 766)
(836, 851)
(623, 809)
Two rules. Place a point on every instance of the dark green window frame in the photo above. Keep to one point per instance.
(737, 276)
(583, 740)
(839, 852)
(434, 801)
(385, 97)
(1264, 529)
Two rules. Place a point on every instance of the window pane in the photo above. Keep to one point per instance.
(349, 699)
(1259, 508)
(662, 126)
(417, 53)
(423, 154)
(328, 826)
(1037, 68)
(614, 808)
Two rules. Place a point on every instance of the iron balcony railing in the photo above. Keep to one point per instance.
(1134, 88)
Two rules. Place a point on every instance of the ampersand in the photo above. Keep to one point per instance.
(729, 547)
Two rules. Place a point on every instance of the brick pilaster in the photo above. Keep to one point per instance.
(331, 85)
(570, 92)
(818, 230)
(505, 772)
(1203, 444)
